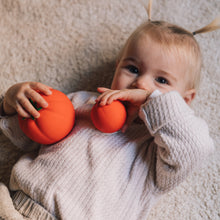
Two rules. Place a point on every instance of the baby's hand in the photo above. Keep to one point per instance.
(134, 98)
(17, 99)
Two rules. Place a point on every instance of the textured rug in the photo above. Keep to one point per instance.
(72, 45)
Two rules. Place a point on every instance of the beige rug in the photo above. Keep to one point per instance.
(72, 45)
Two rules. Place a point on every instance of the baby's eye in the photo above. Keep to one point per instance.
(132, 69)
(161, 80)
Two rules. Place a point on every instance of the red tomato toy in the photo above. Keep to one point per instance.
(55, 121)
(109, 118)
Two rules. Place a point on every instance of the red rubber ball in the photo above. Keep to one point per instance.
(109, 118)
(55, 121)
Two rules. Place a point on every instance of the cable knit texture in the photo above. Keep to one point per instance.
(93, 175)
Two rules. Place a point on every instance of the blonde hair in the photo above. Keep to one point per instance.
(171, 36)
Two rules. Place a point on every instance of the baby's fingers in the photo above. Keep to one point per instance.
(36, 97)
(21, 111)
(41, 88)
(103, 99)
(113, 95)
(102, 89)
(25, 108)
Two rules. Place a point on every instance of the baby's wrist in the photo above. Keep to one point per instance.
(152, 95)
(7, 109)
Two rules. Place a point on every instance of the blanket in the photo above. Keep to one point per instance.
(73, 45)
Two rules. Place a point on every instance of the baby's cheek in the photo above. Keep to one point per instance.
(119, 84)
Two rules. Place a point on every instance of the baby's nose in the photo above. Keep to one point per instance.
(143, 83)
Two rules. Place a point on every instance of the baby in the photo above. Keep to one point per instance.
(93, 175)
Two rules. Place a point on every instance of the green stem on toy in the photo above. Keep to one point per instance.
(35, 106)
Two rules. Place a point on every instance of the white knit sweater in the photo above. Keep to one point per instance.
(96, 176)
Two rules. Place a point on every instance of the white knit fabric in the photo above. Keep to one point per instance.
(93, 175)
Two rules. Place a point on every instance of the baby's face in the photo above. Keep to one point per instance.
(145, 64)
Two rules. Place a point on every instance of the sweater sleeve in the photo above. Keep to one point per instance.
(10, 128)
(182, 139)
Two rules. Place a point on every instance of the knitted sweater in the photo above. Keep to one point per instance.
(95, 176)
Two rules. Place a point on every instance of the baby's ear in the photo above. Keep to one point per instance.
(189, 96)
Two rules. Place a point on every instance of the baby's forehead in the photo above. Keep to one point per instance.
(180, 51)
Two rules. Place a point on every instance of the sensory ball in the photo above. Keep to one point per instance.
(109, 118)
(55, 121)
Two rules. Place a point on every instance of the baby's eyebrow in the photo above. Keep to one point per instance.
(130, 59)
(134, 60)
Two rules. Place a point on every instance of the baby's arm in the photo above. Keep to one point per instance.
(16, 100)
(181, 139)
